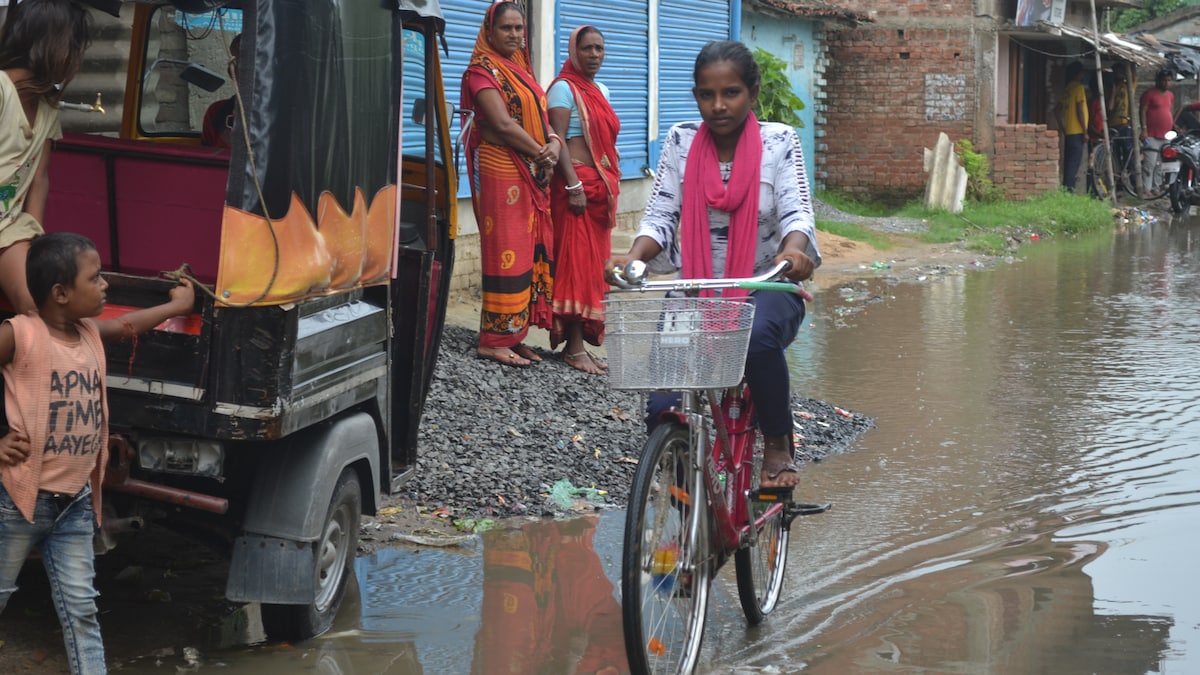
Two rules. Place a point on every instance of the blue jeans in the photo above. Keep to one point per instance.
(63, 537)
(777, 319)
(1072, 159)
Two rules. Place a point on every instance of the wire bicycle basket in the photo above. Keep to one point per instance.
(676, 343)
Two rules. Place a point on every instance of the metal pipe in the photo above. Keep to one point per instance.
(170, 495)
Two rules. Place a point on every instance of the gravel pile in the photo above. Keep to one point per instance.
(495, 440)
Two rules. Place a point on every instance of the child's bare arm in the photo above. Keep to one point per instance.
(14, 448)
(183, 299)
(8, 344)
(39, 189)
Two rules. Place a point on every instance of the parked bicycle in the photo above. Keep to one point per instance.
(1125, 175)
(695, 499)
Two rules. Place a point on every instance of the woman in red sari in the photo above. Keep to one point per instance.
(511, 155)
(583, 198)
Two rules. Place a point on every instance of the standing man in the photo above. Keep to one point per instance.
(1072, 122)
(1158, 117)
(1119, 120)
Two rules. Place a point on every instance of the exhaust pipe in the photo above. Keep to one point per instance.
(122, 525)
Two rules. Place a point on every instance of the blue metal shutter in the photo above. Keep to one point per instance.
(463, 18)
(684, 26)
(626, 28)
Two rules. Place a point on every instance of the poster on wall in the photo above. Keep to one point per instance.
(1030, 12)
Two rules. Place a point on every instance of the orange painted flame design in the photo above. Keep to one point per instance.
(335, 252)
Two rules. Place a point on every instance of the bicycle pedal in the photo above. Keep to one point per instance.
(802, 509)
(782, 493)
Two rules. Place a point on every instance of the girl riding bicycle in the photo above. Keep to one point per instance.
(739, 206)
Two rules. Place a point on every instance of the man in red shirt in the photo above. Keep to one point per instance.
(1158, 117)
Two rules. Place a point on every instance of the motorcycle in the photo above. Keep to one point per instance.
(1181, 164)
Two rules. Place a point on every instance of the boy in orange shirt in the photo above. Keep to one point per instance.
(52, 458)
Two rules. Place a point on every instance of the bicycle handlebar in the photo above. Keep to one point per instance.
(633, 278)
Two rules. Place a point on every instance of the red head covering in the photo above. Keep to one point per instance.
(513, 78)
(597, 119)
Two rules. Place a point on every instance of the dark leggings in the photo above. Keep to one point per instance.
(777, 319)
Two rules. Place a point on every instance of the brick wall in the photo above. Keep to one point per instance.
(891, 91)
(1026, 160)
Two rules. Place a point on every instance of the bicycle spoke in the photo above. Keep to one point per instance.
(664, 576)
(760, 565)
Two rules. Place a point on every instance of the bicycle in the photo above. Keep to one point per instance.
(1124, 175)
(694, 503)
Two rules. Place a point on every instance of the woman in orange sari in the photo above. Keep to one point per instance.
(583, 198)
(511, 155)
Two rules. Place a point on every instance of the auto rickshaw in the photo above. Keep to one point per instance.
(321, 240)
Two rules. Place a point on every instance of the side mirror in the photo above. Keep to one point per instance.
(418, 113)
(192, 73)
(420, 110)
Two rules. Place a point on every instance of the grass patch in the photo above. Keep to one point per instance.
(856, 232)
(847, 204)
(986, 226)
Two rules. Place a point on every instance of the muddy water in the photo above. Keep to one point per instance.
(1029, 500)
(1027, 504)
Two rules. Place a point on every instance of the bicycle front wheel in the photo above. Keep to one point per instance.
(760, 565)
(664, 569)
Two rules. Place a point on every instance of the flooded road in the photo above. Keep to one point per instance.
(1027, 503)
(1029, 500)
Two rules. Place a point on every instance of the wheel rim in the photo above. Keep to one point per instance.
(768, 559)
(765, 561)
(332, 554)
(672, 585)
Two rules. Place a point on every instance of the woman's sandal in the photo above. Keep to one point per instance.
(774, 469)
(580, 361)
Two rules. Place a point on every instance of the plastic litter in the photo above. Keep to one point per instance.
(566, 495)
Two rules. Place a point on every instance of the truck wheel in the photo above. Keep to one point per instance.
(334, 563)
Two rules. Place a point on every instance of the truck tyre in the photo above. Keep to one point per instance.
(334, 564)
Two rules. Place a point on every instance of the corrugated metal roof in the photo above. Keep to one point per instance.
(811, 9)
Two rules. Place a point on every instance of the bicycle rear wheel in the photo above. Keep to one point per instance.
(1127, 177)
(761, 565)
(1098, 170)
(664, 568)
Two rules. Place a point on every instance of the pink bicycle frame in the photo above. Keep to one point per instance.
(732, 452)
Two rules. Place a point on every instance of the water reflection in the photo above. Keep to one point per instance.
(1027, 502)
(534, 598)
(1023, 504)
(547, 605)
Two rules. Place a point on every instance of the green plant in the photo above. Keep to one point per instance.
(979, 173)
(849, 204)
(777, 102)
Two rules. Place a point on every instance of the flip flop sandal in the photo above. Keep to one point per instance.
(775, 469)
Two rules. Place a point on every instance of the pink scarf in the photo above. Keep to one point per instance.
(703, 188)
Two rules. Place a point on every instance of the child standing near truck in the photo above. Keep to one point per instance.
(52, 459)
(41, 50)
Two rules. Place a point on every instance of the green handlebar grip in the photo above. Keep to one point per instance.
(770, 286)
